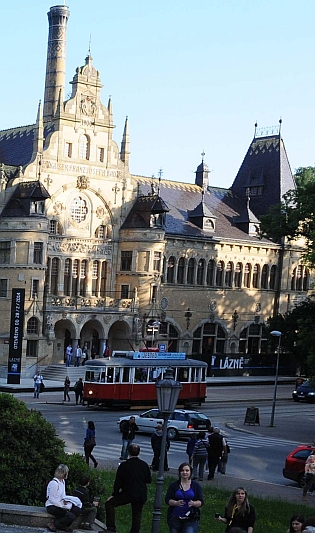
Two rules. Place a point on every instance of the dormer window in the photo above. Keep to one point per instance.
(209, 224)
(254, 191)
(157, 220)
(37, 208)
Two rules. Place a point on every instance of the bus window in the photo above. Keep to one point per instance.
(140, 375)
(103, 377)
(117, 375)
(183, 374)
(125, 375)
(203, 374)
(195, 374)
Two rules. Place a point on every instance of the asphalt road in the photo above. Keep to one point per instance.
(257, 452)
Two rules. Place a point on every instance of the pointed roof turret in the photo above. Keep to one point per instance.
(202, 173)
(265, 174)
(110, 109)
(38, 144)
(125, 152)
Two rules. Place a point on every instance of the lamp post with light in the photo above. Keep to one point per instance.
(275, 334)
(167, 391)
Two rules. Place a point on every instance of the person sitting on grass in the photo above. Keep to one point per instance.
(89, 509)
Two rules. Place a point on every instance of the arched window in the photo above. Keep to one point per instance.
(101, 232)
(83, 268)
(273, 274)
(84, 152)
(305, 279)
(67, 278)
(293, 280)
(229, 274)
(55, 227)
(78, 209)
(264, 277)
(75, 277)
(191, 271)
(253, 339)
(256, 271)
(238, 275)
(103, 279)
(200, 271)
(209, 339)
(54, 276)
(210, 273)
(32, 326)
(170, 276)
(219, 274)
(299, 279)
(181, 270)
(95, 278)
(247, 273)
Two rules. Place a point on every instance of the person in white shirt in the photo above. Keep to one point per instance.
(78, 355)
(64, 508)
(38, 380)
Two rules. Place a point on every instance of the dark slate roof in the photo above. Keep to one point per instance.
(19, 203)
(201, 211)
(183, 198)
(265, 165)
(16, 144)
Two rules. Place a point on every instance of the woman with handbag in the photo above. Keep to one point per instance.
(89, 443)
(184, 498)
(309, 473)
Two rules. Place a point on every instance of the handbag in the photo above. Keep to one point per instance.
(194, 515)
(91, 441)
(41, 387)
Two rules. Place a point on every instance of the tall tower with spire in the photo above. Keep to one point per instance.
(56, 59)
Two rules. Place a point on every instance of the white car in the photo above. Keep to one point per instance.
(182, 423)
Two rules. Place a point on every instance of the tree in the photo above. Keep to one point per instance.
(29, 451)
(294, 216)
(298, 334)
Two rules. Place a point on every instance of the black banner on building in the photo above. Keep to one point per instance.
(16, 336)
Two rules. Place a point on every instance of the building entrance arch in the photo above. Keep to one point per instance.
(119, 337)
(64, 334)
(92, 334)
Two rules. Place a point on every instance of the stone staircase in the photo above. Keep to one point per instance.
(59, 373)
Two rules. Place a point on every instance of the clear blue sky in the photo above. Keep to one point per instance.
(192, 75)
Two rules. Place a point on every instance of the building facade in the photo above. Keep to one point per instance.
(121, 261)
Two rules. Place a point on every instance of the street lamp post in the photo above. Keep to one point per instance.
(275, 334)
(167, 391)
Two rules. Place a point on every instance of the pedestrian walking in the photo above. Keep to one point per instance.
(215, 451)
(128, 428)
(38, 383)
(224, 458)
(239, 513)
(66, 388)
(69, 354)
(85, 354)
(64, 508)
(78, 391)
(130, 487)
(190, 446)
(184, 498)
(200, 455)
(89, 508)
(90, 443)
(78, 355)
(156, 443)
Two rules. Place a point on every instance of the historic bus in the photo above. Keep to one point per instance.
(128, 378)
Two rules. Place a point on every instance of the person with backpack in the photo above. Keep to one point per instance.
(199, 455)
(78, 391)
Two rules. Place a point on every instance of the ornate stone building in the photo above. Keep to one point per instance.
(110, 258)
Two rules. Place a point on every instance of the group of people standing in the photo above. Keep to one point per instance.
(78, 390)
(211, 449)
(79, 355)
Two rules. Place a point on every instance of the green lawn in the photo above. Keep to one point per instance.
(273, 516)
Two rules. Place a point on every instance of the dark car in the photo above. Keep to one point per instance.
(295, 463)
(305, 391)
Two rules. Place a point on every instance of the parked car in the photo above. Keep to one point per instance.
(295, 463)
(305, 391)
(182, 423)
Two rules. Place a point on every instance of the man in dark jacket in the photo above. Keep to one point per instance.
(130, 486)
(156, 443)
(129, 428)
(215, 451)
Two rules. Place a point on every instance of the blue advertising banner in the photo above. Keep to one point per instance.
(16, 336)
